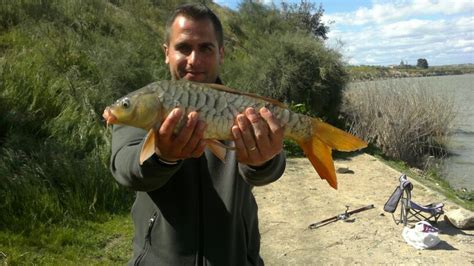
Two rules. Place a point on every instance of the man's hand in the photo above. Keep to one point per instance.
(258, 138)
(187, 143)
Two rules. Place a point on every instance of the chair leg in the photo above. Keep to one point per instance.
(405, 208)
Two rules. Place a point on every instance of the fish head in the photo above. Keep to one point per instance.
(142, 110)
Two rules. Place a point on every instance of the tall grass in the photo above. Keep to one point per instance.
(62, 62)
(401, 117)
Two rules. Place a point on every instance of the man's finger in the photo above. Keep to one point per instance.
(246, 133)
(199, 149)
(239, 144)
(272, 121)
(195, 139)
(167, 128)
(187, 131)
(259, 125)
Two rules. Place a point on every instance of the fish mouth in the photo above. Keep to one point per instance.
(109, 117)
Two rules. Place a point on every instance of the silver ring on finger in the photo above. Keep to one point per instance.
(253, 148)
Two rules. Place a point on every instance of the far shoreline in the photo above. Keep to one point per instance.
(364, 73)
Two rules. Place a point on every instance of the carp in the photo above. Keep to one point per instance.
(218, 107)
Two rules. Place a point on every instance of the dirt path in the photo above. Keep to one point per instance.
(300, 198)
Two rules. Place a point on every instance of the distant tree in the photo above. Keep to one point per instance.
(422, 63)
(256, 19)
(305, 16)
(402, 63)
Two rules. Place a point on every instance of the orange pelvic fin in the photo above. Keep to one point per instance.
(324, 139)
(148, 148)
(217, 148)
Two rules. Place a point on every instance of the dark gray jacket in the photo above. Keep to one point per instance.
(199, 212)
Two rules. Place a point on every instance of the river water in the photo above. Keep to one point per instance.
(458, 169)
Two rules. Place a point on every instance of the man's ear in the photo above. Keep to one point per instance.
(221, 55)
(166, 51)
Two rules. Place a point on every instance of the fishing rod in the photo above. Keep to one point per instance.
(342, 216)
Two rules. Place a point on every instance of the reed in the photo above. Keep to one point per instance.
(401, 117)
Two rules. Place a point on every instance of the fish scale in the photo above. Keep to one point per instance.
(218, 110)
(218, 106)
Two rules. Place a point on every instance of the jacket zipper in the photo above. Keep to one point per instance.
(200, 250)
(147, 244)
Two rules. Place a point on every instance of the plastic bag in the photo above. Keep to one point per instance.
(422, 236)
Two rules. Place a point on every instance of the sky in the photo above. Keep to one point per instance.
(376, 32)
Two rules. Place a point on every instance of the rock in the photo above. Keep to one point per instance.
(344, 170)
(460, 218)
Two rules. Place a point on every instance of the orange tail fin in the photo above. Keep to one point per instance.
(319, 148)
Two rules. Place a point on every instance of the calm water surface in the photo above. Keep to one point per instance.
(459, 168)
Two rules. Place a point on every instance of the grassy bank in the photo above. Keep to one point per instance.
(106, 241)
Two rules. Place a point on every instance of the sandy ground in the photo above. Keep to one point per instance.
(300, 198)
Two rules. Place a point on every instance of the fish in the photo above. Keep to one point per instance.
(218, 106)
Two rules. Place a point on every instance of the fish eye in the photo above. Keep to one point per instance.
(125, 103)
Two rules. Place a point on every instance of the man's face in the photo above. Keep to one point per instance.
(193, 52)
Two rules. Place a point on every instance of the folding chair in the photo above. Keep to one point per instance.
(410, 210)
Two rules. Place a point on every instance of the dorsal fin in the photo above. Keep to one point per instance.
(229, 90)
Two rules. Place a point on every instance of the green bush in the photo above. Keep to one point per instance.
(291, 66)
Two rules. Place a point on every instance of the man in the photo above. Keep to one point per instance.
(192, 208)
